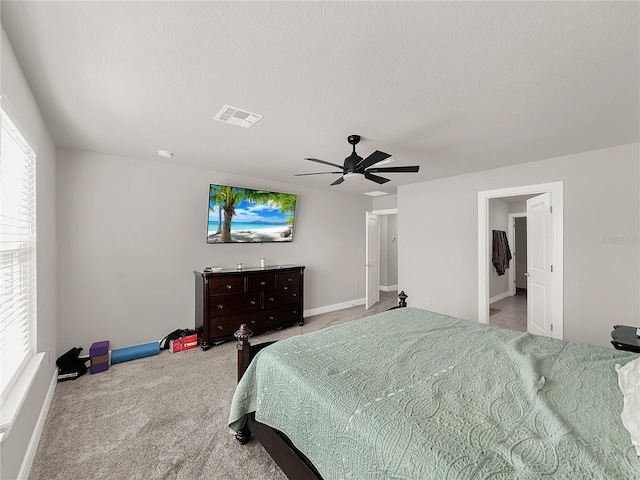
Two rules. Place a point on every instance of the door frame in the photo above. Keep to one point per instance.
(367, 283)
(382, 212)
(484, 252)
(511, 236)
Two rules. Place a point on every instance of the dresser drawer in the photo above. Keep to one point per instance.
(287, 279)
(227, 284)
(226, 326)
(244, 302)
(279, 316)
(261, 282)
(281, 296)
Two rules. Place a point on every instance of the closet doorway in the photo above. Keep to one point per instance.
(544, 303)
(509, 309)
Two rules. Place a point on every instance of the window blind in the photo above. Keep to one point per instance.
(17, 253)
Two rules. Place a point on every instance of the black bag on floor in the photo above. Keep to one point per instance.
(70, 366)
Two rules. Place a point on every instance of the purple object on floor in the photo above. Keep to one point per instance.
(98, 349)
(99, 367)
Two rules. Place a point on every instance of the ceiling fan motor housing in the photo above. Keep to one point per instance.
(351, 161)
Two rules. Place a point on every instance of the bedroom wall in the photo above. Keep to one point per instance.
(15, 448)
(131, 232)
(438, 255)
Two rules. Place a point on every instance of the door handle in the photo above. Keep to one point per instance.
(527, 274)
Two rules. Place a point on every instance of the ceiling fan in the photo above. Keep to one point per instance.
(357, 168)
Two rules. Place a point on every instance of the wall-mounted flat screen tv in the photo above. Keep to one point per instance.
(245, 215)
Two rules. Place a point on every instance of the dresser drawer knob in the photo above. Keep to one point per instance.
(289, 279)
(270, 317)
(294, 294)
(271, 299)
(219, 327)
(253, 321)
(253, 302)
(263, 283)
(228, 287)
(220, 306)
(295, 311)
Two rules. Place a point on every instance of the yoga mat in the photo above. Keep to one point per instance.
(137, 351)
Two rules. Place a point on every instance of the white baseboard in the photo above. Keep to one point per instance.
(499, 297)
(332, 308)
(388, 288)
(27, 462)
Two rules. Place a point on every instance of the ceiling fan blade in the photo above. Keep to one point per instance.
(337, 182)
(322, 161)
(372, 159)
(316, 173)
(375, 178)
(412, 169)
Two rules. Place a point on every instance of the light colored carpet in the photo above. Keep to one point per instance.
(161, 417)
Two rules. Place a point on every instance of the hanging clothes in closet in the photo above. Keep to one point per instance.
(501, 251)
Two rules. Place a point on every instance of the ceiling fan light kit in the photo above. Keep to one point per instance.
(353, 176)
(356, 168)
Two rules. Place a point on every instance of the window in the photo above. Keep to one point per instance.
(17, 253)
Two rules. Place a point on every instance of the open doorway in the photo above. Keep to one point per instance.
(508, 293)
(544, 299)
(382, 290)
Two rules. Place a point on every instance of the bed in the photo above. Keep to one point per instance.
(412, 394)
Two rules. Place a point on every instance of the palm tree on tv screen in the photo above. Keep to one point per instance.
(228, 197)
(216, 200)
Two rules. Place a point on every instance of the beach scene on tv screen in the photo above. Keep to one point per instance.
(243, 215)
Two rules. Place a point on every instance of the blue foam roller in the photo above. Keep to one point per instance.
(137, 351)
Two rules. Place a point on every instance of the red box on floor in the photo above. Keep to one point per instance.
(190, 341)
(175, 346)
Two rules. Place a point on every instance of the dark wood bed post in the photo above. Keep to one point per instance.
(244, 358)
(244, 349)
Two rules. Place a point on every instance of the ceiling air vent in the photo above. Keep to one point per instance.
(236, 116)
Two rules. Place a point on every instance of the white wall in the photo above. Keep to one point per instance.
(16, 90)
(385, 202)
(498, 220)
(438, 253)
(131, 232)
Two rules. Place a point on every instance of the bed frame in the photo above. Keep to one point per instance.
(292, 461)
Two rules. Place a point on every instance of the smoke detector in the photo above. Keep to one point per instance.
(237, 116)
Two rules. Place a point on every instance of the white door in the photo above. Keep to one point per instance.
(372, 253)
(539, 266)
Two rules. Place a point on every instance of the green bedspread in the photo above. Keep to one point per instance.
(411, 394)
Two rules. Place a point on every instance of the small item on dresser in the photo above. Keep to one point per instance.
(263, 262)
(239, 266)
(212, 269)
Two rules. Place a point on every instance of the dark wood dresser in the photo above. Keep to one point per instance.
(263, 298)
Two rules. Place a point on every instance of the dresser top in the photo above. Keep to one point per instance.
(270, 268)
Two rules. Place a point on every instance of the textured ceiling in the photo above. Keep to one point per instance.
(453, 87)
